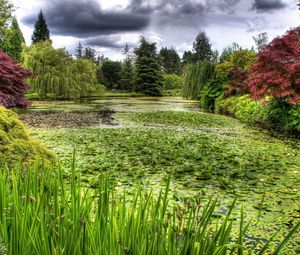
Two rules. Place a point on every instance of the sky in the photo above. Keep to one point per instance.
(107, 25)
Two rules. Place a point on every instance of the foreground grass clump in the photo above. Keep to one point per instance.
(15, 143)
(46, 214)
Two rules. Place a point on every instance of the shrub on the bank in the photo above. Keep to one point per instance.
(15, 144)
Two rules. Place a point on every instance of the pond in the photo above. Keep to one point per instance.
(138, 142)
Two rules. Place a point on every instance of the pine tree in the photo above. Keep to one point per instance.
(127, 71)
(148, 78)
(170, 60)
(79, 51)
(89, 53)
(41, 31)
(14, 41)
(202, 49)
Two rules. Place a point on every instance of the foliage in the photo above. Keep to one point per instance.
(148, 74)
(170, 60)
(278, 113)
(234, 71)
(187, 57)
(57, 74)
(14, 41)
(15, 145)
(127, 72)
(228, 51)
(111, 73)
(63, 218)
(195, 78)
(172, 81)
(41, 31)
(276, 72)
(6, 8)
(212, 90)
(12, 84)
(79, 51)
(261, 40)
(202, 49)
(89, 53)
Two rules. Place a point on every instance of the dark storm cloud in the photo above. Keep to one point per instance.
(85, 18)
(268, 5)
(113, 42)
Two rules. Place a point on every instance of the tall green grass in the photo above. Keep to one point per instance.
(45, 213)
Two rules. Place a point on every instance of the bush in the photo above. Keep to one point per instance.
(243, 108)
(280, 114)
(15, 144)
(172, 81)
(209, 94)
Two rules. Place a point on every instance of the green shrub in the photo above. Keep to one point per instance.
(15, 144)
(209, 94)
(280, 114)
(172, 81)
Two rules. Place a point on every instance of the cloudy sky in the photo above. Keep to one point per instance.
(107, 25)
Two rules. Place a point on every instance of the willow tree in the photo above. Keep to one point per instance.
(195, 78)
(56, 74)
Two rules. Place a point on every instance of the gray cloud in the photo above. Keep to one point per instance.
(268, 5)
(85, 18)
(113, 42)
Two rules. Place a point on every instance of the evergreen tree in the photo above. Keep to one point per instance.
(148, 78)
(79, 51)
(14, 41)
(41, 32)
(127, 71)
(170, 60)
(202, 49)
(187, 57)
(111, 71)
(90, 53)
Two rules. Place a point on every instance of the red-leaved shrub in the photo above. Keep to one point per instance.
(277, 70)
(12, 83)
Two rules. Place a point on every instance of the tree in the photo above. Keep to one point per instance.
(148, 76)
(14, 41)
(111, 72)
(41, 31)
(12, 83)
(195, 77)
(170, 60)
(89, 53)
(261, 40)
(234, 71)
(187, 57)
(6, 8)
(276, 72)
(79, 51)
(126, 81)
(225, 55)
(57, 74)
(202, 49)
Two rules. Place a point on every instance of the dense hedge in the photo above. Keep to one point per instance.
(15, 144)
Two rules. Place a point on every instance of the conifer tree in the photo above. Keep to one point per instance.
(170, 60)
(14, 41)
(79, 51)
(127, 71)
(202, 48)
(41, 31)
(148, 76)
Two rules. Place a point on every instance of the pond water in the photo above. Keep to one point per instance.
(206, 154)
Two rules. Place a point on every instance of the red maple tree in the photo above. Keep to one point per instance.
(277, 70)
(12, 83)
